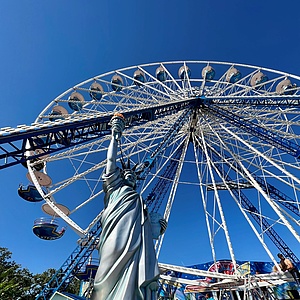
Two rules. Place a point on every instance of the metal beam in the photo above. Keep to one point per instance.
(255, 100)
(74, 130)
(264, 134)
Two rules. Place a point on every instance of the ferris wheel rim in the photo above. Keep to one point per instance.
(208, 62)
(167, 123)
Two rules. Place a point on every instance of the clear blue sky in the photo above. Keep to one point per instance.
(49, 46)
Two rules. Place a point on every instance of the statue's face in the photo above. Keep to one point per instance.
(130, 178)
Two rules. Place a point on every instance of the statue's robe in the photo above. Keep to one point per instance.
(128, 266)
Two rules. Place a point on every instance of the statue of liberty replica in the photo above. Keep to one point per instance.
(128, 268)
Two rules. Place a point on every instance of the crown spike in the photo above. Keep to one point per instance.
(128, 163)
(123, 163)
(135, 166)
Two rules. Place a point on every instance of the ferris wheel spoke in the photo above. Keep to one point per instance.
(272, 163)
(240, 87)
(86, 202)
(218, 201)
(172, 79)
(257, 130)
(266, 197)
(128, 146)
(244, 212)
(285, 200)
(251, 163)
(243, 158)
(185, 77)
(203, 197)
(268, 173)
(246, 89)
(165, 159)
(249, 208)
(260, 181)
(162, 86)
(149, 91)
(172, 195)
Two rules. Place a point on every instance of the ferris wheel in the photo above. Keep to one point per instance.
(226, 134)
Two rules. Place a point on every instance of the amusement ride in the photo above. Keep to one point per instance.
(227, 133)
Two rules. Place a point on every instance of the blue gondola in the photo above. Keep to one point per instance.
(46, 229)
(55, 115)
(184, 73)
(29, 193)
(58, 112)
(96, 91)
(233, 75)
(161, 74)
(116, 83)
(258, 79)
(76, 101)
(285, 87)
(38, 167)
(139, 77)
(208, 73)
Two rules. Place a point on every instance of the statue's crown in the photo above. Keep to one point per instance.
(126, 168)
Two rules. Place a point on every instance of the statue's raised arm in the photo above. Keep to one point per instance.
(117, 127)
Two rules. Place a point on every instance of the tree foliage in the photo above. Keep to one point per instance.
(17, 283)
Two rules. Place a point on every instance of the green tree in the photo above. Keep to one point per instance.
(15, 282)
(18, 283)
(7, 283)
(41, 279)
